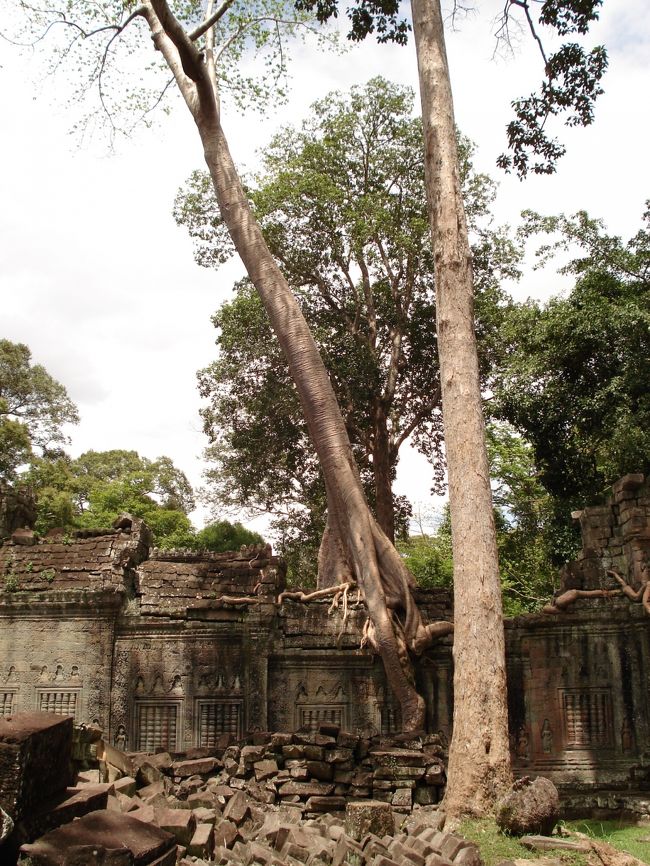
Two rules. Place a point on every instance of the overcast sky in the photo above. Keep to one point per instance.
(100, 283)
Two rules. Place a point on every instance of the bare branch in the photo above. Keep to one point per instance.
(211, 20)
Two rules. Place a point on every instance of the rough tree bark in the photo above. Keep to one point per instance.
(355, 543)
(479, 755)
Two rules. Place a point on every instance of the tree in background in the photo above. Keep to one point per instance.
(224, 536)
(479, 758)
(342, 205)
(574, 381)
(90, 491)
(34, 408)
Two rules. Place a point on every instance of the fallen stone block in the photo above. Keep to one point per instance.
(313, 738)
(111, 831)
(225, 833)
(347, 851)
(237, 808)
(369, 816)
(451, 846)
(265, 769)
(402, 799)
(148, 774)
(198, 767)
(205, 816)
(325, 804)
(64, 807)
(404, 854)
(35, 751)
(426, 795)
(306, 789)
(202, 842)
(143, 813)
(250, 755)
(393, 758)
(338, 756)
(127, 804)
(152, 790)
(181, 823)
(125, 785)
(468, 856)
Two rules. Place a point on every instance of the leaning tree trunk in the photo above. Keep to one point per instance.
(382, 473)
(479, 755)
(356, 543)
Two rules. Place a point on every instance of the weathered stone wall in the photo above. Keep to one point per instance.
(614, 536)
(173, 650)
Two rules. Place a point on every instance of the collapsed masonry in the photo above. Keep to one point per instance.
(228, 804)
(160, 650)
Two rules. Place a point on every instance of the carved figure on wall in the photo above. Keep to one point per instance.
(121, 738)
(12, 677)
(59, 676)
(547, 737)
(627, 735)
(43, 677)
(74, 673)
(177, 686)
(301, 691)
(139, 686)
(522, 743)
(158, 687)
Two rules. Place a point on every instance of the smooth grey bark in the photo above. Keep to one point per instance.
(479, 755)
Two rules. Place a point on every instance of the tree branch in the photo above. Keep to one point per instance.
(210, 20)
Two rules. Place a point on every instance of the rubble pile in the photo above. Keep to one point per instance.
(317, 771)
(319, 798)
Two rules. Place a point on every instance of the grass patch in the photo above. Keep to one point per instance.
(620, 835)
(495, 846)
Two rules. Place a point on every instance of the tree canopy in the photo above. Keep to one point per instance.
(90, 491)
(34, 409)
(574, 381)
(342, 205)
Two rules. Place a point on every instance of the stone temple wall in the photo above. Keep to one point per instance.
(175, 649)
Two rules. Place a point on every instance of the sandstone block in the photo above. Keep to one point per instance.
(451, 846)
(397, 758)
(320, 770)
(198, 767)
(325, 804)
(205, 816)
(237, 808)
(202, 842)
(125, 785)
(313, 738)
(402, 799)
(181, 823)
(405, 856)
(370, 816)
(468, 856)
(225, 833)
(305, 789)
(35, 752)
(110, 831)
(265, 769)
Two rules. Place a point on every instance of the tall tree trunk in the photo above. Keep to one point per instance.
(357, 544)
(381, 470)
(479, 755)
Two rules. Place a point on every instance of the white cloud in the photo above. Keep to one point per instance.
(97, 279)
